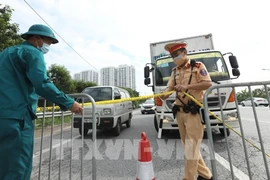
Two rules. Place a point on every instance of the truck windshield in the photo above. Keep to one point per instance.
(213, 62)
(98, 93)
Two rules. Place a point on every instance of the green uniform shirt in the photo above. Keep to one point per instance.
(23, 76)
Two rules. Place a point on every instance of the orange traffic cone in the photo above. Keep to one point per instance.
(145, 170)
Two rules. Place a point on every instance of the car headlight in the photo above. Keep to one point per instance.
(107, 111)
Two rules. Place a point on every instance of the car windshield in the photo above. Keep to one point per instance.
(149, 101)
(213, 62)
(259, 99)
(99, 93)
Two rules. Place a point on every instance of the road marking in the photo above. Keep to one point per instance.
(253, 120)
(237, 172)
(54, 147)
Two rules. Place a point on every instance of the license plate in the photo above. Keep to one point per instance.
(88, 120)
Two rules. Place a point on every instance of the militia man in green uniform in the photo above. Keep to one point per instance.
(23, 78)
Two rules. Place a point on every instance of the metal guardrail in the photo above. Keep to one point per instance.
(209, 131)
(43, 115)
(55, 114)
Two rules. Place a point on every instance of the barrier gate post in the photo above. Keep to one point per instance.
(242, 134)
(62, 115)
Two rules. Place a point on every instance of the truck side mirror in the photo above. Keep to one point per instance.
(146, 72)
(233, 62)
(147, 81)
(236, 72)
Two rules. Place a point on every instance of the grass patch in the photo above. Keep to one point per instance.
(57, 121)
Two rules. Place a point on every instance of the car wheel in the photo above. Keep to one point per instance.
(243, 104)
(142, 112)
(255, 104)
(222, 132)
(85, 131)
(128, 123)
(117, 128)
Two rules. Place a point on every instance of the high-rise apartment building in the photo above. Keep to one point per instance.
(108, 76)
(77, 76)
(125, 76)
(87, 76)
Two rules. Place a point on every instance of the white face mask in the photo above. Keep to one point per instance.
(44, 48)
(177, 57)
(180, 60)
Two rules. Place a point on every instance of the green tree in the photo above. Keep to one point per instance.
(61, 78)
(242, 95)
(133, 93)
(259, 92)
(81, 85)
(8, 31)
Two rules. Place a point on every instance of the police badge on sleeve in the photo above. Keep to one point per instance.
(203, 72)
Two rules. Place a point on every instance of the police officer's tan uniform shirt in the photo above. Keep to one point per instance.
(182, 75)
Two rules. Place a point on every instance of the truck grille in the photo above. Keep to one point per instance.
(212, 102)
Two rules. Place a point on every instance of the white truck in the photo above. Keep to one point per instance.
(200, 48)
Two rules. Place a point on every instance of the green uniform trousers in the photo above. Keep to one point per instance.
(16, 148)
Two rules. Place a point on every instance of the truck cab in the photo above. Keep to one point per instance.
(218, 70)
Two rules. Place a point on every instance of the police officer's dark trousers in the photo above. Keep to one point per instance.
(16, 148)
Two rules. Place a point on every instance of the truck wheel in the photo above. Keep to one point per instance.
(117, 128)
(85, 131)
(156, 123)
(221, 130)
(128, 123)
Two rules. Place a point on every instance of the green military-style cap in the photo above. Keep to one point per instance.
(42, 30)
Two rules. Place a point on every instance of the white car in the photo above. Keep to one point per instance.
(257, 102)
(148, 106)
(112, 116)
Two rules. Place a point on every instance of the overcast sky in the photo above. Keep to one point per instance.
(115, 32)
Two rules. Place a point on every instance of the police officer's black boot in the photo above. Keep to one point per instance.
(202, 178)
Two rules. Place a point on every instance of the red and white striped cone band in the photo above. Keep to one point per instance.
(145, 171)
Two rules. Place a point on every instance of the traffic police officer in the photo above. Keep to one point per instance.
(190, 77)
(23, 76)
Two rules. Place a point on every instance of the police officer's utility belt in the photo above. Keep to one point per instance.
(190, 107)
